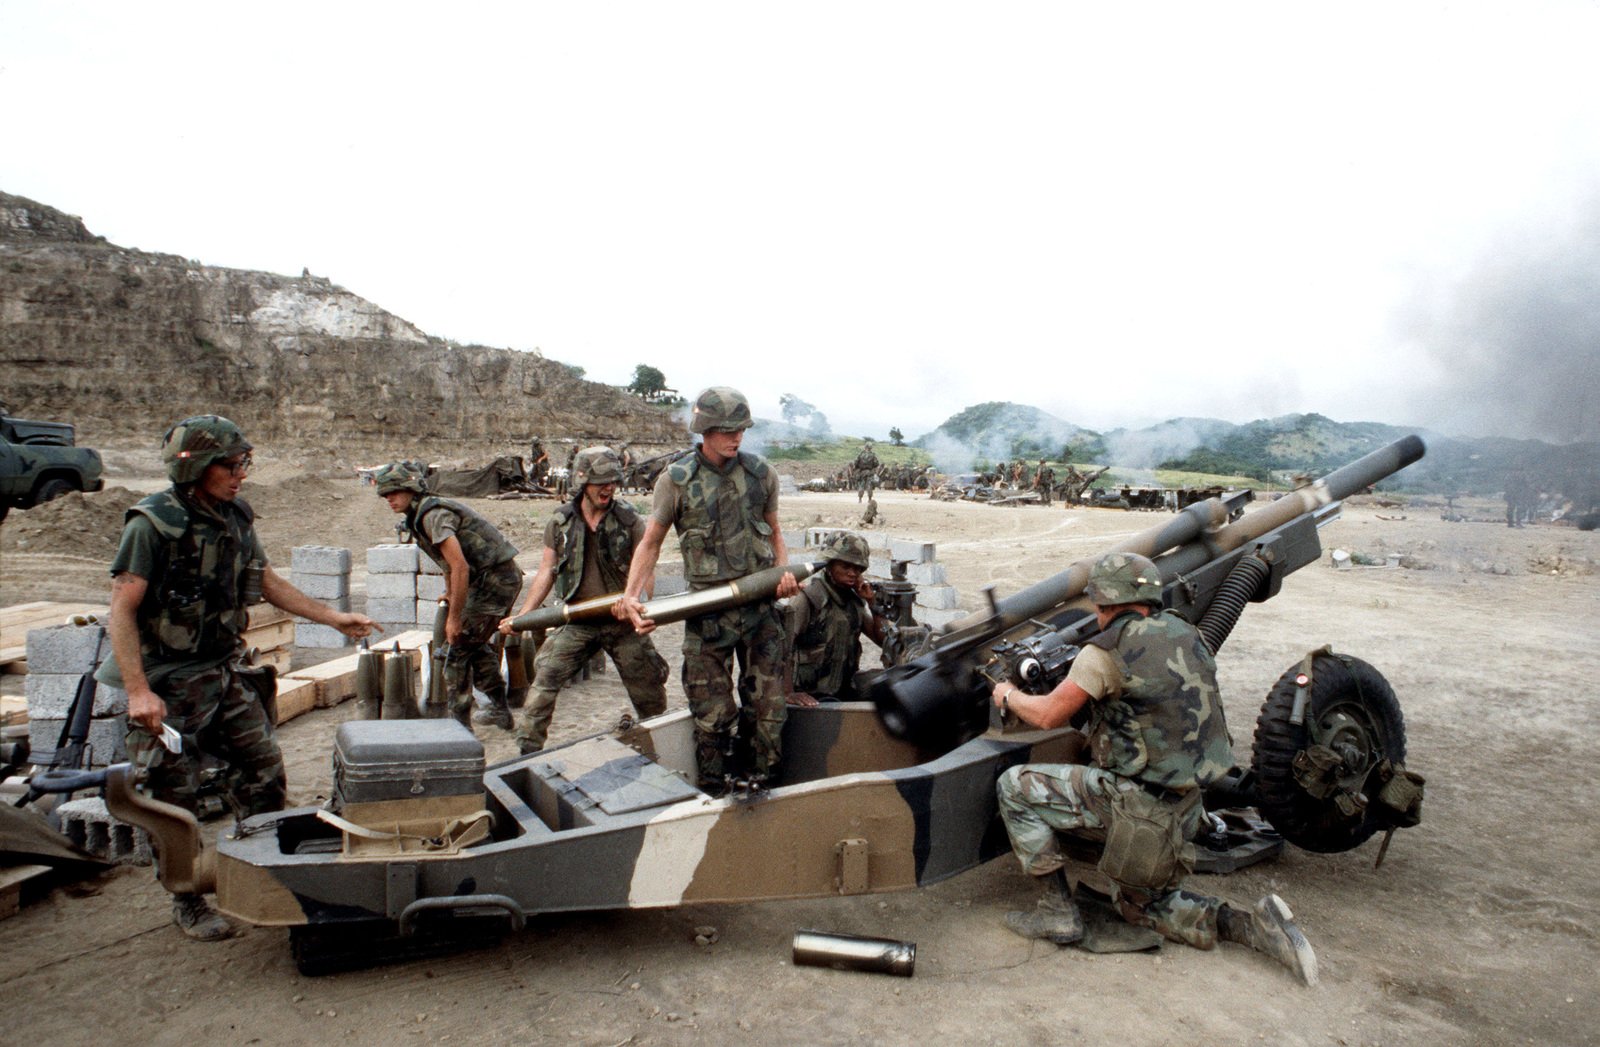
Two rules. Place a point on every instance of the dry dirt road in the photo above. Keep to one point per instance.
(1480, 928)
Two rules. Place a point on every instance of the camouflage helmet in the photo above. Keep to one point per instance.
(720, 407)
(399, 476)
(195, 443)
(850, 548)
(596, 465)
(1118, 578)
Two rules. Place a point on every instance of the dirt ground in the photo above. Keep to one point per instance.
(1480, 928)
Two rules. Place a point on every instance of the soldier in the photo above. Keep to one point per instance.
(825, 622)
(1519, 493)
(865, 471)
(187, 569)
(1157, 735)
(564, 488)
(1019, 474)
(723, 503)
(481, 583)
(1043, 480)
(588, 545)
(538, 463)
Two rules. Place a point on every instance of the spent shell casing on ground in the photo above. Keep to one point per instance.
(851, 952)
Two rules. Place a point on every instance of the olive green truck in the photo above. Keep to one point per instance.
(39, 461)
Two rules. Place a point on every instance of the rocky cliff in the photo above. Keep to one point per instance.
(124, 342)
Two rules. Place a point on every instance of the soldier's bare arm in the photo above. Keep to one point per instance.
(544, 578)
(277, 591)
(145, 707)
(787, 586)
(455, 581)
(1045, 711)
(641, 573)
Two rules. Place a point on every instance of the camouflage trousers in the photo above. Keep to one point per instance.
(474, 659)
(754, 633)
(1038, 800)
(562, 657)
(221, 712)
(865, 485)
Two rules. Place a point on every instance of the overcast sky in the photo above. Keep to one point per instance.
(1116, 212)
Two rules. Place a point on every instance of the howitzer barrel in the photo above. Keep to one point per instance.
(667, 609)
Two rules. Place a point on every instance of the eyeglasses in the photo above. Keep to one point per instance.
(238, 466)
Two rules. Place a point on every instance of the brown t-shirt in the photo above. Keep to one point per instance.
(592, 583)
(1096, 672)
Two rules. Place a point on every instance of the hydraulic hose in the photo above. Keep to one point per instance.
(1243, 582)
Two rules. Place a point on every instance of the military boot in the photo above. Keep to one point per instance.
(496, 715)
(197, 919)
(1268, 927)
(1054, 919)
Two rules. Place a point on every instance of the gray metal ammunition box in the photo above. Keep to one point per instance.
(375, 760)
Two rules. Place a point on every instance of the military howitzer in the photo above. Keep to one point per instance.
(1330, 737)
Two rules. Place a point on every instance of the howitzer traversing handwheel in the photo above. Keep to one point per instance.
(1351, 723)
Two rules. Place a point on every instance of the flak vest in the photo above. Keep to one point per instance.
(827, 652)
(482, 544)
(721, 524)
(194, 607)
(1167, 727)
(615, 534)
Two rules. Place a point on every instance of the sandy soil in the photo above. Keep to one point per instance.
(1480, 927)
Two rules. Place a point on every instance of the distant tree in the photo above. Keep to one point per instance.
(648, 383)
(794, 409)
(897, 436)
(575, 370)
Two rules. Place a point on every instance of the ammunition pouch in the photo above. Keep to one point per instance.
(262, 681)
(1145, 841)
(1398, 793)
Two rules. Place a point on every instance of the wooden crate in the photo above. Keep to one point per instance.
(336, 680)
(295, 698)
(16, 620)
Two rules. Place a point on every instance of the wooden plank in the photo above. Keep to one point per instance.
(15, 666)
(16, 610)
(13, 879)
(266, 614)
(14, 629)
(336, 680)
(270, 635)
(411, 640)
(13, 709)
(280, 658)
(295, 698)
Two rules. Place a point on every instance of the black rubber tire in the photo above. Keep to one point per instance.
(1346, 691)
(52, 489)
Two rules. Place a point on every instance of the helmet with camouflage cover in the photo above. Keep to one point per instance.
(596, 465)
(195, 443)
(850, 548)
(720, 407)
(1118, 578)
(399, 476)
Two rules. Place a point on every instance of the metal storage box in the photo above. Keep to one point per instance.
(383, 760)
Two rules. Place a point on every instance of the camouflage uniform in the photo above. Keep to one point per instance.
(1043, 481)
(1157, 738)
(865, 469)
(824, 623)
(719, 515)
(493, 582)
(563, 656)
(190, 623)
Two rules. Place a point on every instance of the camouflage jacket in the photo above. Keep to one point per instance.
(482, 544)
(193, 609)
(615, 552)
(721, 521)
(1166, 727)
(826, 635)
(865, 461)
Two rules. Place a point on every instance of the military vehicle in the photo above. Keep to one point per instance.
(421, 840)
(38, 462)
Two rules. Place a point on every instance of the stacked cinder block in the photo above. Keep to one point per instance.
(392, 587)
(57, 659)
(430, 590)
(88, 824)
(938, 603)
(322, 572)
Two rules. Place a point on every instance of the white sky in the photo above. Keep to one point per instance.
(1115, 212)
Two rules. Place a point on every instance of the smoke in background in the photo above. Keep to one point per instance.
(1148, 448)
(1517, 339)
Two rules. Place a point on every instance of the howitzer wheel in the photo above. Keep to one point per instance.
(1351, 711)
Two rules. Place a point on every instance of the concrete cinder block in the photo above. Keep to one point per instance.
(107, 740)
(391, 587)
(925, 573)
(310, 634)
(66, 648)
(398, 609)
(319, 559)
(88, 824)
(878, 541)
(936, 618)
(425, 564)
(937, 597)
(430, 586)
(50, 696)
(911, 550)
(879, 567)
(817, 537)
(425, 610)
(322, 586)
(392, 559)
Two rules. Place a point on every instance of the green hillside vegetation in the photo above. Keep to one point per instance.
(835, 452)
